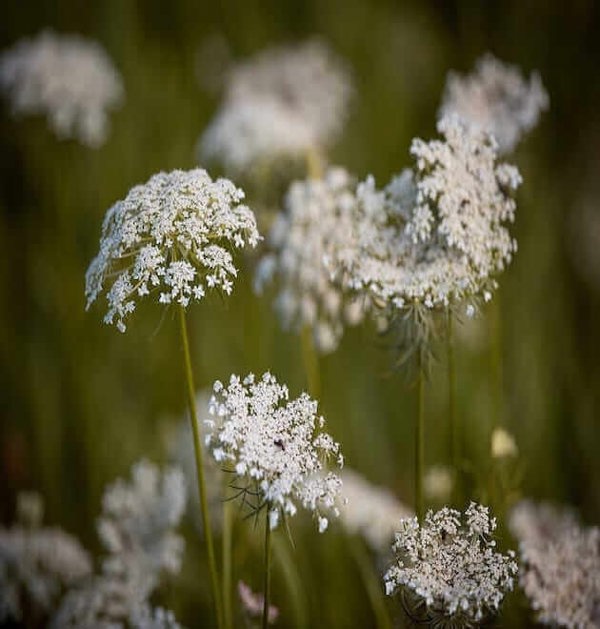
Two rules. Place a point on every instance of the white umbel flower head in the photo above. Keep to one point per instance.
(66, 77)
(281, 102)
(318, 217)
(276, 446)
(497, 98)
(171, 236)
(450, 564)
(560, 565)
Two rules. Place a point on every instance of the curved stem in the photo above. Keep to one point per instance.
(227, 534)
(452, 418)
(310, 359)
(198, 451)
(267, 579)
(419, 438)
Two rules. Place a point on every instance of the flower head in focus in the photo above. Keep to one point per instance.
(449, 564)
(172, 236)
(66, 77)
(276, 446)
(496, 98)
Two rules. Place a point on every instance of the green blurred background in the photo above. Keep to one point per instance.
(81, 402)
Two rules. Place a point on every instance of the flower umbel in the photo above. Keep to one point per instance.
(449, 565)
(274, 446)
(171, 236)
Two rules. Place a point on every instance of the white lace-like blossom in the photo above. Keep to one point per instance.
(275, 445)
(281, 102)
(451, 564)
(560, 559)
(136, 529)
(319, 213)
(436, 235)
(66, 77)
(496, 98)
(171, 236)
(371, 511)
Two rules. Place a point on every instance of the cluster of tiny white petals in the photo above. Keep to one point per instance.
(318, 218)
(66, 77)
(451, 563)
(371, 511)
(497, 98)
(560, 571)
(136, 529)
(37, 565)
(279, 103)
(436, 235)
(172, 236)
(275, 444)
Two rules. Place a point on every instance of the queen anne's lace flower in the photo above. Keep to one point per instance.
(318, 215)
(274, 445)
(373, 512)
(496, 98)
(70, 79)
(437, 235)
(171, 236)
(279, 103)
(560, 560)
(450, 564)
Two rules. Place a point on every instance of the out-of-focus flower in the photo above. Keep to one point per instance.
(317, 218)
(171, 236)
(438, 482)
(450, 564)
(276, 446)
(497, 98)
(66, 77)
(253, 603)
(503, 444)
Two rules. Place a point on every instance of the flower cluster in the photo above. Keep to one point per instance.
(275, 445)
(282, 102)
(496, 98)
(66, 77)
(171, 235)
(136, 530)
(437, 235)
(450, 563)
(318, 217)
(371, 511)
(560, 560)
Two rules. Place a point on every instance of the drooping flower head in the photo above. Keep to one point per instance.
(276, 446)
(496, 98)
(66, 77)
(560, 565)
(449, 564)
(172, 236)
(318, 217)
(281, 102)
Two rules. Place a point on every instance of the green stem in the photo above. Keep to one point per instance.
(496, 360)
(314, 164)
(310, 360)
(267, 580)
(452, 418)
(227, 535)
(198, 451)
(419, 438)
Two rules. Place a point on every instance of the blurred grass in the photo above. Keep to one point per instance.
(80, 402)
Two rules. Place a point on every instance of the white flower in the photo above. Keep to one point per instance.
(281, 102)
(275, 446)
(496, 98)
(318, 218)
(450, 564)
(503, 444)
(560, 560)
(371, 511)
(66, 77)
(171, 236)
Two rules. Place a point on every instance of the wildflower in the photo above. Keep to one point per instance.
(275, 446)
(373, 512)
(170, 236)
(282, 102)
(560, 561)
(66, 77)
(503, 444)
(438, 482)
(496, 98)
(450, 565)
(253, 603)
(318, 217)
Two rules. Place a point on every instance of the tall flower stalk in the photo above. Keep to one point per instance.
(455, 432)
(267, 574)
(420, 437)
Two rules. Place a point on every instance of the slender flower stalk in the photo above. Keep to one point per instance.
(227, 538)
(310, 360)
(420, 438)
(455, 435)
(267, 576)
(210, 551)
(496, 362)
